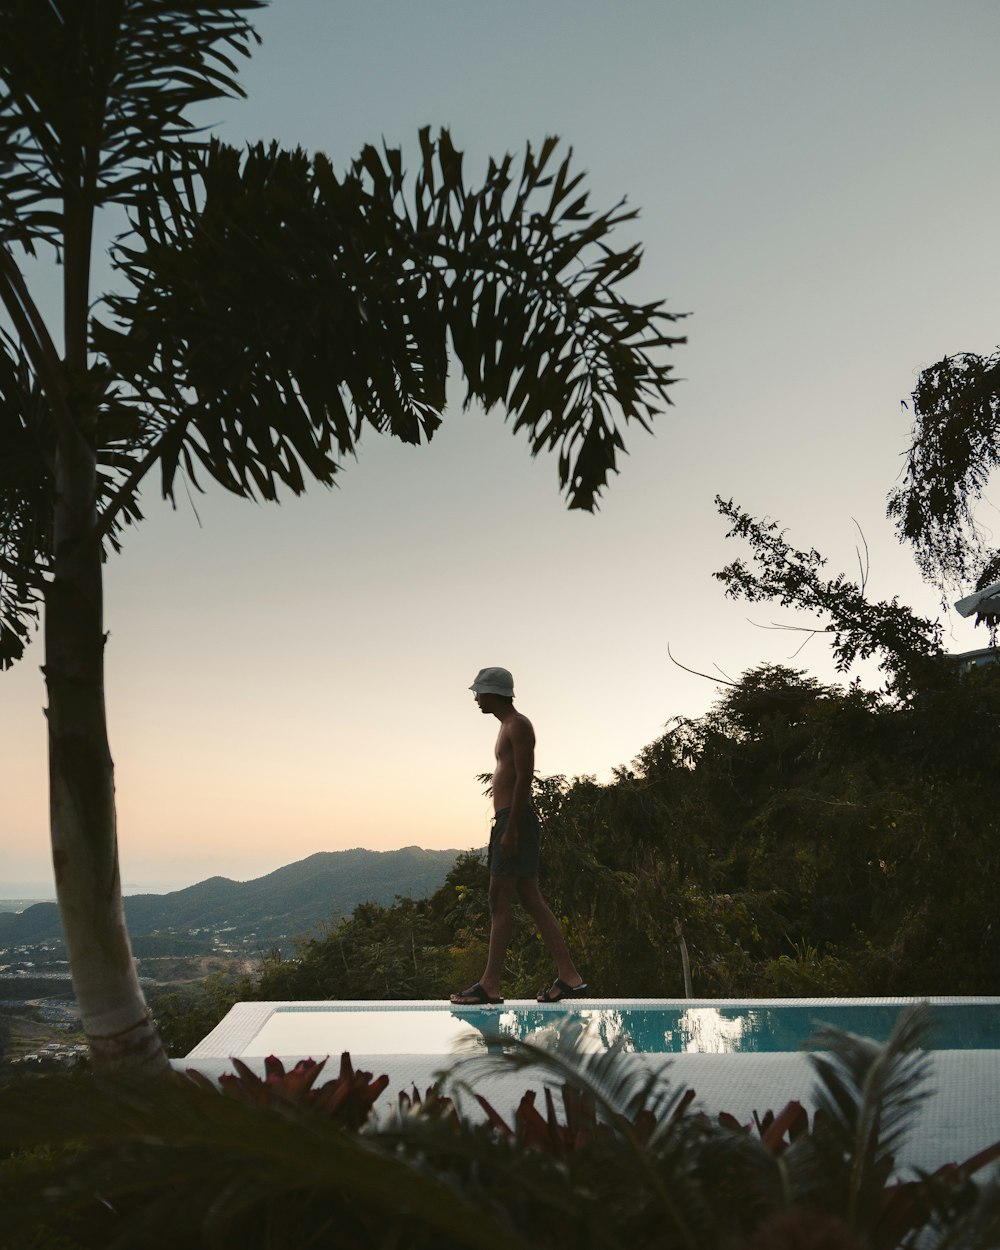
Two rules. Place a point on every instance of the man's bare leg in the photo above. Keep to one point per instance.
(502, 891)
(548, 927)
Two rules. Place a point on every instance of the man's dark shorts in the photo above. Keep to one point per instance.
(524, 863)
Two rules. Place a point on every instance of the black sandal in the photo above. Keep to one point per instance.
(559, 990)
(474, 996)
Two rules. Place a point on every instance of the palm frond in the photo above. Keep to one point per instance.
(92, 90)
(620, 1091)
(27, 451)
(279, 309)
(868, 1094)
(25, 500)
(650, 1131)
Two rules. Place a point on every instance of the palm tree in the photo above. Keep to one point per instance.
(266, 310)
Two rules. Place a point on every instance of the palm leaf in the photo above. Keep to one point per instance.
(620, 1091)
(279, 309)
(659, 1164)
(92, 90)
(867, 1095)
(27, 452)
(25, 501)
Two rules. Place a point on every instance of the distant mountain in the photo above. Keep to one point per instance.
(286, 903)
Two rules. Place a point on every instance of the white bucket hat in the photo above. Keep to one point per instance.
(494, 681)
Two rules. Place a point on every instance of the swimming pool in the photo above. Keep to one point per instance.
(641, 1026)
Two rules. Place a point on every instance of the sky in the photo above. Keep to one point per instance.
(817, 188)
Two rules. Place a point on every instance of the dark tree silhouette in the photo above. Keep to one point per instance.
(860, 628)
(954, 448)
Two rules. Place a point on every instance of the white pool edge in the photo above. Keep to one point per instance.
(236, 1031)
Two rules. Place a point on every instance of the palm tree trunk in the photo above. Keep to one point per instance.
(116, 1020)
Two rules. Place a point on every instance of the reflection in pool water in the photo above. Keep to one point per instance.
(422, 1029)
(721, 1030)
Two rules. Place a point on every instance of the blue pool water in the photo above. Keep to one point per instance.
(641, 1026)
(761, 1028)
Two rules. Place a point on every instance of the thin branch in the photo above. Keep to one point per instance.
(812, 634)
(126, 489)
(814, 798)
(809, 631)
(694, 672)
(791, 629)
(864, 567)
(187, 491)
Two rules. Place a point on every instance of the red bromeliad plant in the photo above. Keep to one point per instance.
(348, 1097)
(583, 1125)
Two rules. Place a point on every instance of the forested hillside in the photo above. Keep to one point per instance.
(807, 840)
(291, 900)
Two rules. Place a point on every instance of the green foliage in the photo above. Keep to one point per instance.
(413, 949)
(184, 1016)
(285, 1161)
(378, 953)
(903, 642)
(807, 974)
(954, 448)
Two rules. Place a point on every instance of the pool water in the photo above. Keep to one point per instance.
(641, 1026)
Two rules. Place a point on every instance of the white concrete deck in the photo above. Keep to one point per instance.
(960, 1117)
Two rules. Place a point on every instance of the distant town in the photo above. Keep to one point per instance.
(216, 926)
(39, 1019)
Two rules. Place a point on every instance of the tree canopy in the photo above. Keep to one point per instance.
(906, 645)
(954, 448)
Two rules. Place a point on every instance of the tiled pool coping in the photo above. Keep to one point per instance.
(960, 1117)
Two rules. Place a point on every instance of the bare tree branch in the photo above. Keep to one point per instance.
(694, 672)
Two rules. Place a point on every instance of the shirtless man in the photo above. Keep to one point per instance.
(514, 846)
